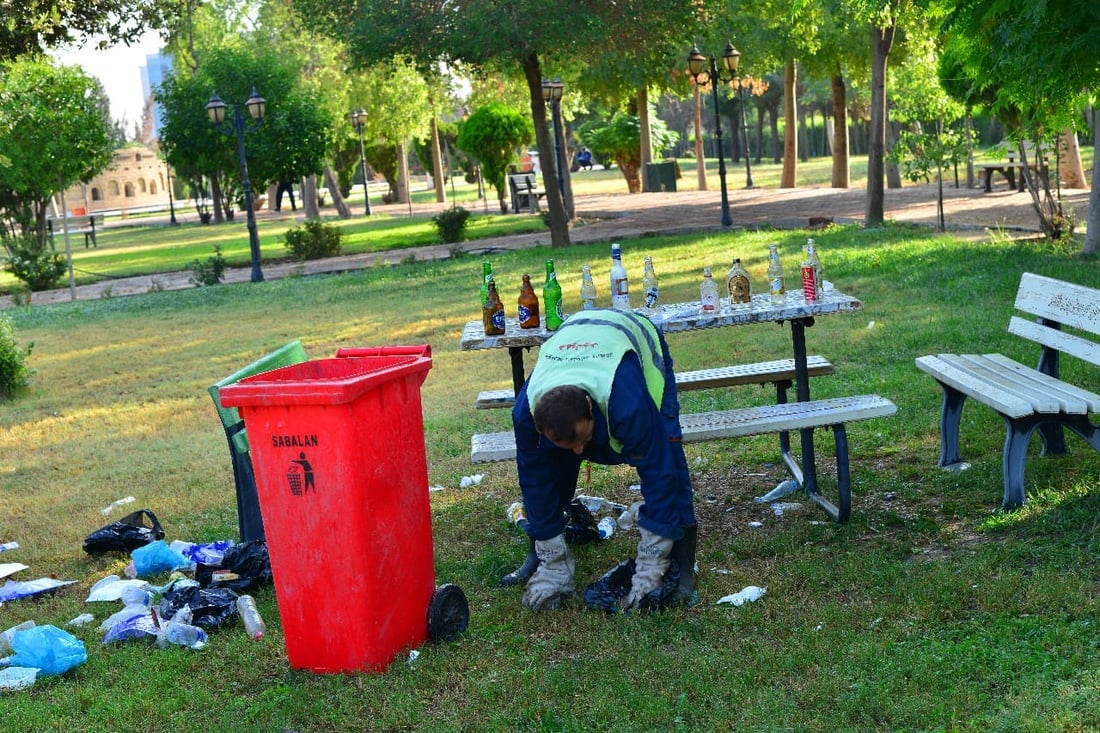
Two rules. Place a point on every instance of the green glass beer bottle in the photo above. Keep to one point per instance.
(551, 299)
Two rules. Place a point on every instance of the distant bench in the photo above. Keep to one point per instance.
(78, 224)
(1026, 398)
(1008, 169)
(525, 192)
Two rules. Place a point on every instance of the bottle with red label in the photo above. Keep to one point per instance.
(811, 273)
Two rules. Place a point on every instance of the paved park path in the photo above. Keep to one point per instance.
(969, 213)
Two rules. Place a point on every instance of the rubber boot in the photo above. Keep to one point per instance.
(683, 552)
(524, 571)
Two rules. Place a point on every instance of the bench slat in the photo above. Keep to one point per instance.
(779, 370)
(1067, 303)
(1000, 400)
(487, 447)
(1068, 343)
(1091, 399)
(1040, 400)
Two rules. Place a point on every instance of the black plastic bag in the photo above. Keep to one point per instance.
(135, 530)
(243, 567)
(606, 593)
(210, 607)
(581, 527)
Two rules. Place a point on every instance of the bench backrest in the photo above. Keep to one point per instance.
(522, 181)
(1058, 302)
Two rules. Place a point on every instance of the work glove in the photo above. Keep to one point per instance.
(654, 553)
(553, 580)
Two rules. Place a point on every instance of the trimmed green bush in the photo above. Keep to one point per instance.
(33, 263)
(314, 240)
(451, 224)
(14, 373)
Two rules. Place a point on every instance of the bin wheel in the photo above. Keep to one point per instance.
(448, 613)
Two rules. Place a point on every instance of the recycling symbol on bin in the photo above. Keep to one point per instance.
(300, 476)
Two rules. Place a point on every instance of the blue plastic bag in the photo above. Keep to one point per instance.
(157, 557)
(49, 649)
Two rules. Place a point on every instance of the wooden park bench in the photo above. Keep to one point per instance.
(779, 372)
(1026, 398)
(78, 224)
(1008, 168)
(525, 192)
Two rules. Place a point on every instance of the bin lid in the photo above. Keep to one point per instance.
(332, 381)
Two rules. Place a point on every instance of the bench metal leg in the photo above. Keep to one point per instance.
(842, 510)
(1017, 435)
(950, 416)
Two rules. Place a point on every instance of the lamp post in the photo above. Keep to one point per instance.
(703, 76)
(171, 200)
(552, 92)
(358, 119)
(257, 106)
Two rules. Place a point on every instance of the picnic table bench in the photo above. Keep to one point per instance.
(525, 192)
(78, 224)
(1027, 399)
(803, 415)
(1008, 169)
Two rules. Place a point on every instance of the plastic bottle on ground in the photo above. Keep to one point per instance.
(254, 624)
(182, 634)
(606, 526)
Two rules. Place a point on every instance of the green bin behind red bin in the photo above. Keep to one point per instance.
(342, 477)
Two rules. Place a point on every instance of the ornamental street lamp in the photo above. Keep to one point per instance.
(358, 119)
(702, 76)
(256, 106)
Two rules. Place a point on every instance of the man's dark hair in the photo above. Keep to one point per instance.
(559, 410)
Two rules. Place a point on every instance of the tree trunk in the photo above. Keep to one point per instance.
(645, 131)
(893, 172)
(841, 168)
(404, 194)
(1071, 173)
(970, 181)
(216, 195)
(882, 39)
(700, 156)
(309, 197)
(1092, 233)
(773, 117)
(437, 165)
(790, 142)
(333, 186)
(559, 221)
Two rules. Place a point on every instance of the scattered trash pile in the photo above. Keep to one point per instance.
(207, 588)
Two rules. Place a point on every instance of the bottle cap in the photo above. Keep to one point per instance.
(706, 272)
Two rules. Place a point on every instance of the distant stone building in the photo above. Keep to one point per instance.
(136, 180)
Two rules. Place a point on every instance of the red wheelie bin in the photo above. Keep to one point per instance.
(342, 478)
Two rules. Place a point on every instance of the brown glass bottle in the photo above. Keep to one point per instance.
(528, 305)
(492, 312)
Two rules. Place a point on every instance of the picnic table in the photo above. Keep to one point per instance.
(803, 415)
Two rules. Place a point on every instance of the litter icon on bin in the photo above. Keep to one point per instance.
(302, 482)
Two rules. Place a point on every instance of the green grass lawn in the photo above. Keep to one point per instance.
(929, 610)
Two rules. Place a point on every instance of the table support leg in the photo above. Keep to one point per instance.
(802, 390)
(518, 375)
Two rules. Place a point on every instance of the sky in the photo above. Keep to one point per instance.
(119, 70)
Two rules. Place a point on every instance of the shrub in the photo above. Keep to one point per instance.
(32, 263)
(314, 240)
(14, 373)
(451, 224)
(210, 271)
